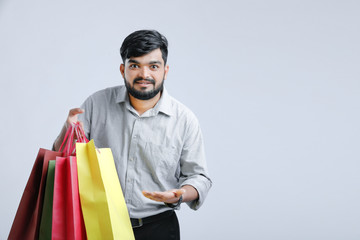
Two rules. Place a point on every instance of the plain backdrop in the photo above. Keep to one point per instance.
(275, 85)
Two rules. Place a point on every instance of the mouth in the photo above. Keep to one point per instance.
(144, 82)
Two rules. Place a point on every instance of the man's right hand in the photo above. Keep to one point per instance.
(73, 116)
(71, 119)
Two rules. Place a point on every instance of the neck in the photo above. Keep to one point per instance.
(142, 106)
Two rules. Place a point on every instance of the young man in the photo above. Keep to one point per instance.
(156, 141)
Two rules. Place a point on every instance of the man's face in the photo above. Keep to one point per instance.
(144, 76)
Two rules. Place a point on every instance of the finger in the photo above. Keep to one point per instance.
(75, 111)
(72, 117)
(156, 196)
(147, 194)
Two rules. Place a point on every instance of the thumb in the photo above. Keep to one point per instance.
(179, 192)
(75, 111)
(72, 117)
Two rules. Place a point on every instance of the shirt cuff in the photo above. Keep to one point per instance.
(202, 186)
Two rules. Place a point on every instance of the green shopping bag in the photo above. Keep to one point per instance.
(45, 222)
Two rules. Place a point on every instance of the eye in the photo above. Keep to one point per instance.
(154, 67)
(133, 66)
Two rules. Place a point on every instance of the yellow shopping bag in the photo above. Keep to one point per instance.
(102, 201)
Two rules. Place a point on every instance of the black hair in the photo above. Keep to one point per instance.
(142, 42)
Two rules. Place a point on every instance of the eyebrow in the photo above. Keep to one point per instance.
(133, 61)
(155, 62)
(151, 62)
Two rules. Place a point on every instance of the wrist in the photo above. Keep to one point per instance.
(174, 205)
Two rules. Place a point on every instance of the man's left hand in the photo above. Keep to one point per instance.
(171, 196)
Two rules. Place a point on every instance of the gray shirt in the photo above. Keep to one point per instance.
(160, 150)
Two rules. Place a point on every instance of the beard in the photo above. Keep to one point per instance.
(143, 95)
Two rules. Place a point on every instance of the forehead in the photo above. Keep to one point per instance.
(151, 57)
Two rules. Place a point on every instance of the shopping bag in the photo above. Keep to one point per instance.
(46, 216)
(102, 201)
(67, 220)
(26, 223)
(27, 219)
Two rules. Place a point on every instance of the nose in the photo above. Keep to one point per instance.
(145, 72)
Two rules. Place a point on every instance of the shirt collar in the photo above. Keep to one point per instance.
(163, 105)
(122, 95)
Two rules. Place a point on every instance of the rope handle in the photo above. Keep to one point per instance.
(75, 133)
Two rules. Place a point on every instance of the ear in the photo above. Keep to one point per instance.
(122, 70)
(166, 71)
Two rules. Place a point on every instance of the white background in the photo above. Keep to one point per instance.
(275, 85)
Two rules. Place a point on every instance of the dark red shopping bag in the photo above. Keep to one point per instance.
(27, 219)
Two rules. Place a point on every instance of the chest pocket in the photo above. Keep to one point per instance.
(162, 161)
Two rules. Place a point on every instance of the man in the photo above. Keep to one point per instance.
(156, 141)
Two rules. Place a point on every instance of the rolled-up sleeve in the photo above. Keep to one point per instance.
(193, 165)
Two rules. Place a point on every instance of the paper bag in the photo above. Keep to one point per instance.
(102, 201)
(67, 220)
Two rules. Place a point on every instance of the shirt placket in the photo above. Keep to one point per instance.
(131, 174)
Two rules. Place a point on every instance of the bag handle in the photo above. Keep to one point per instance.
(80, 134)
(68, 135)
(68, 146)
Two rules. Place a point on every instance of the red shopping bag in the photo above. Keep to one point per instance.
(67, 219)
(27, 219)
